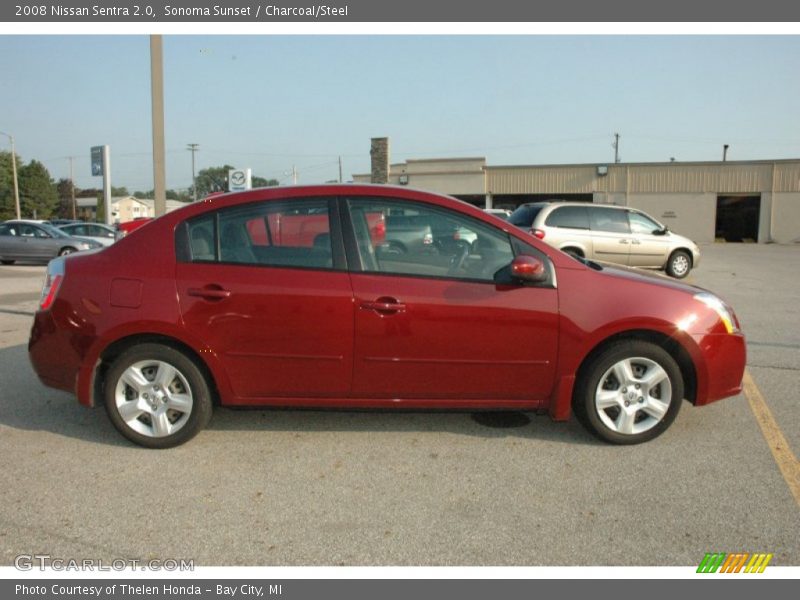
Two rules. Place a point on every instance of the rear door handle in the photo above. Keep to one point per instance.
(209, 292)
(384, 306)
(624, 241)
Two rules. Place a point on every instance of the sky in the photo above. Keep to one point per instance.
(272, 102)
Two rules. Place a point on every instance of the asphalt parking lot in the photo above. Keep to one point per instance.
(349, 488)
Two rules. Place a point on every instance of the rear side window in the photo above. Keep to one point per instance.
(294, 233)
(524, 216)
(574, 217)
(609, 220)
(202, 239)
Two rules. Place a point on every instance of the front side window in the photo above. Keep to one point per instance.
(609, 220)
(293, 233)
(7, 230)
(408, 238)
(642, 224)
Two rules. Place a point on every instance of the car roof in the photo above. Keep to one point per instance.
(544, 203)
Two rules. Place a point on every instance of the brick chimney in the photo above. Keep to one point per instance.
(379, 151)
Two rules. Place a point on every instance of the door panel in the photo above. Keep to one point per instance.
(647, 250)
(278, 333)
(610, 234)
(453, 339)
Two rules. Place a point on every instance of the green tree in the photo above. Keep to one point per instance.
(211, 180)
(261, 182)
(7, 208)
(37, 191)
(117, 192)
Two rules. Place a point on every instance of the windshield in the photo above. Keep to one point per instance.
(53, 231)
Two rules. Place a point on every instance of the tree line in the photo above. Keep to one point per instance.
(41, 197)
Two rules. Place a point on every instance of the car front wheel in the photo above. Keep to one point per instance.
(679, 264)
(629, 393)
(156, 396)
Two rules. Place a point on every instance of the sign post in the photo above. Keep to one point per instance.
(101, 165)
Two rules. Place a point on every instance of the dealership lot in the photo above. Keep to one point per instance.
(302, 488)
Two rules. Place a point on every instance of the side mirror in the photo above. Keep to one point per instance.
(528, 268)
(663, 231)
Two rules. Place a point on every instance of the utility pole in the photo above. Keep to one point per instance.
(72, 189)
(14, 172)
(157, 100)
(294, 175)
(615, 145)
(725, 152)
(193, 148)
(340, 169)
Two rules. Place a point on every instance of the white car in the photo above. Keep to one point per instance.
(94, 231)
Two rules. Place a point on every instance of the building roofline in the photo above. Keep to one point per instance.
(647, 164)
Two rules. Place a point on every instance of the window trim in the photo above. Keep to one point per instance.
(354, 255)
(183, 252)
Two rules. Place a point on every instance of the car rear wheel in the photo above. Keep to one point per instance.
(679, 264)
(156, 396)
(629, 393)
(67, 250)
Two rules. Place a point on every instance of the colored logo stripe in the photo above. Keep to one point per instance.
(758, 563)
(734, 563)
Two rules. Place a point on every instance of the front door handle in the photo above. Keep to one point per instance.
(384, 306)
(209, 292)
(624, 241)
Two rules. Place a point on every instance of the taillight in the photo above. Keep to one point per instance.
(538, 233)
(52, 281)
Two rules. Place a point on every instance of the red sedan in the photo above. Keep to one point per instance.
(287, 297)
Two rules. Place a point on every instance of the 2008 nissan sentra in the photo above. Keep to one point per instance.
(294, 297)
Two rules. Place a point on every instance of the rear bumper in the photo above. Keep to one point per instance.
(54, 352)
(721, 366)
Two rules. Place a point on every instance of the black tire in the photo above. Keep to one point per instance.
(7, 262)
(635, 415)
(188, 382)
(679, 264)
(67, 250)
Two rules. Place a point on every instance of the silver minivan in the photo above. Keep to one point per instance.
(615, 234)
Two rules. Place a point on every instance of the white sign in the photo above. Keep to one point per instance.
(240, 180)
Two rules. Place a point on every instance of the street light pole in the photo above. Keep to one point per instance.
(14, 172)
(193, 148)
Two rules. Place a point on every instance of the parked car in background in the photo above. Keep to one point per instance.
(614, 234)
(37, 241)
(207, 314)
(127, 227)
(98, 232)
(60, 222)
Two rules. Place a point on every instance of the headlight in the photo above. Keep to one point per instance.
(724, 311)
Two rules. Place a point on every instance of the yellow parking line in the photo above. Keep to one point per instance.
(781, 451)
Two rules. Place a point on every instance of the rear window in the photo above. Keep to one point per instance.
(525, 215)
(574, 217)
